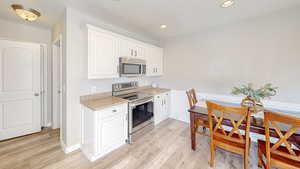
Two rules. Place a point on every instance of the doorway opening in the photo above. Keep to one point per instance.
(57, 85)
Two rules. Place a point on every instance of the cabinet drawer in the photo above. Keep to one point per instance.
(113, 111)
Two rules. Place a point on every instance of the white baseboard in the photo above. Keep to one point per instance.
(69, 149)
(48, 125)
(89, 155)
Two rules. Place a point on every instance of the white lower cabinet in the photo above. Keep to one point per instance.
(161, 107)
(104, 131)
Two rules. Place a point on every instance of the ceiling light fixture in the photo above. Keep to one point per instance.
(227, 3)
(163, 26)
(26, 14)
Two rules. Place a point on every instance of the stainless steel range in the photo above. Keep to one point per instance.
(140, 108)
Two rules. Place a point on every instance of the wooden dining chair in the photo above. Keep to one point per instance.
(192, 99)
(233, 140)
(279, 154)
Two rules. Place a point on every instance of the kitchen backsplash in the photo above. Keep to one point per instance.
(98, 86)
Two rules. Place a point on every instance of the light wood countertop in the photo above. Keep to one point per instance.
(154, 91)
(101, 101)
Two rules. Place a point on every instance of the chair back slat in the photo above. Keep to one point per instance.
(271, 120)
(192, 98)
(218, 113)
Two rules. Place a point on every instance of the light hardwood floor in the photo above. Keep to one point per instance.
(165, 147)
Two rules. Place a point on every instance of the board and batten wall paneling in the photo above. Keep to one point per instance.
(179, 104)
(258, 50)
(179, 107)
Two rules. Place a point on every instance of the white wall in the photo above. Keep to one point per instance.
(27, 33)
(260, 50)
(77, 83)
(57, 30)
(24, 32)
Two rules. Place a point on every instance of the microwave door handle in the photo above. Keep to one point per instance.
(143, 69)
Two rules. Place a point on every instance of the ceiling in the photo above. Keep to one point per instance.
(181, 16)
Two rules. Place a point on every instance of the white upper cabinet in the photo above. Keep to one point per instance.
(154, 57)
(131, 48)
(141, 51)
(126, 48)
(102, 54)
(105, 48)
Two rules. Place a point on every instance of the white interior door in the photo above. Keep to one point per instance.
(57, 84)
(20, 105)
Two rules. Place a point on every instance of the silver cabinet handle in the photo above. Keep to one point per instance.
(131, 52)
(36, 94)
(114, 110)
(135, 53)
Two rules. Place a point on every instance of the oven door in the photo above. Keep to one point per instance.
(140, 117)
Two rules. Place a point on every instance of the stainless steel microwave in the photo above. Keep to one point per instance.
(132, 67)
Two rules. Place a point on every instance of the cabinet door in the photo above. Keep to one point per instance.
(166, 105)
(159, 61)
(127, 48)
(140, 51)
(154, 57)
(150, 59)
(102, 59)
(113, 133)
(158, 109)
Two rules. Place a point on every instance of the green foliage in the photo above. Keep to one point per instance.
(257, 94)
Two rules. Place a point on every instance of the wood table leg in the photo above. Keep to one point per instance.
(193, 132)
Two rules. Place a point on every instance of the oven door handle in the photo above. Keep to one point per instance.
(133, 105)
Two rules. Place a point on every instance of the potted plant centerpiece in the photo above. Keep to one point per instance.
(254, 97)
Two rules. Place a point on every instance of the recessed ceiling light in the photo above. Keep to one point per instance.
(163, 26)
(26, 14)
(227, 3)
